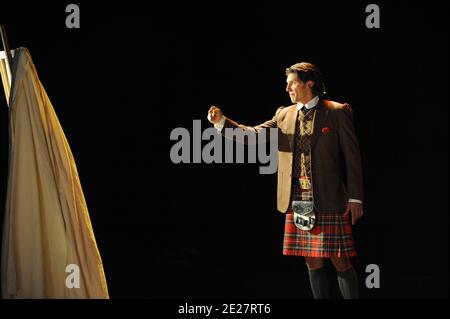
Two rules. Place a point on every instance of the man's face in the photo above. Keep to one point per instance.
(298, 91)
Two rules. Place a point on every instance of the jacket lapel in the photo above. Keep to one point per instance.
(319, 121)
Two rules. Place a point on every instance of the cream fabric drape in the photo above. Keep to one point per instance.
(5, 74)
(47, 225)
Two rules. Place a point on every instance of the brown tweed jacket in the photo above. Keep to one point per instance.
(335, 155)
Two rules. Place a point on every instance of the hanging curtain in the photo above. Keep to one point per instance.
(5, 73)
(48, 242)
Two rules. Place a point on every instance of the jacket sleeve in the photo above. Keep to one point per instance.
(249, 134)
(350, 149)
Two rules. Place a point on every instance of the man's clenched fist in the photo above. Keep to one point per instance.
(214, 115)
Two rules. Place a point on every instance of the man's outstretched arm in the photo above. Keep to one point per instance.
(221, 123)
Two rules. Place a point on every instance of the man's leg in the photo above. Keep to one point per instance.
(318, 278)
(347, 278)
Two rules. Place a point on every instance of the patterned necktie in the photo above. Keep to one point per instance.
(304, 109)
(303, 125)
(302, 142)
(296, 166)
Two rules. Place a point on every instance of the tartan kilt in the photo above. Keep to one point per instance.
(330, 237)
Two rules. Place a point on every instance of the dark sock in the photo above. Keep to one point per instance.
(348, 283)
(320, 285)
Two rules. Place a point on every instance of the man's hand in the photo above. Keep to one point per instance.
(356, 209)
(214, 115)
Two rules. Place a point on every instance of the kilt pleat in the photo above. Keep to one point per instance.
(331, 237)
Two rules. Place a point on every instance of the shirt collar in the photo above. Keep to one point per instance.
(309, 105)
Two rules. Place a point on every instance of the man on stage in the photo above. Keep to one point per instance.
(320, 186)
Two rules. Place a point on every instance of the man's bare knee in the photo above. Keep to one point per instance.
(314, 262)
(342, 263)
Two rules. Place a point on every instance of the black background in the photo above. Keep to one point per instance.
(133, 72)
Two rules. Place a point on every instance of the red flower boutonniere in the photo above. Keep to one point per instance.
(326, 130)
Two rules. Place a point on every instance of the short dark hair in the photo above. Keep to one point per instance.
(309, 72)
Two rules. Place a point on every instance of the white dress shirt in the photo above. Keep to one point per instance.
(309, 105)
